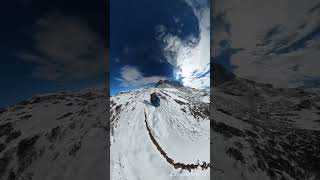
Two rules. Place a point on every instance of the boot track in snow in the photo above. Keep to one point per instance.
(176, 165)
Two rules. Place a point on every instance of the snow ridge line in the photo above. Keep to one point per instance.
(176, 165)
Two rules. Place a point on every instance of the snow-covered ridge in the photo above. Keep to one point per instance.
(164, 139)
(262, 132)
(55, 136)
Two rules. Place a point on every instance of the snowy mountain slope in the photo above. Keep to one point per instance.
(166, 142)
(262, 132)
(268, 41)
(58, 136)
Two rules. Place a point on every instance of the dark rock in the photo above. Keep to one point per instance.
(72, 125)
(305, 104)
(69, 104)
(252, 134)
(224, 111)
(12, 176)
(168, 83)
(54, 134)
(2, 110)
(225, 130)
(118, 108)
(272, 174)
(5, 129)
(26, 152)
(26, 117)
(13, 135)
(65, 115)
(23, 103)
(2, 147)
(154, 99)
(4, 162)
(261, 164)
(75, 148)
(8, 131)
(236, 154)
(179, 102)
(200, 111)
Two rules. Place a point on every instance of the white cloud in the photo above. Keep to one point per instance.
(132, 76)
(191, 55)
(129, 73)
(176, 19)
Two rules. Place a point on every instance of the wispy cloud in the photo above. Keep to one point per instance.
(65, 48)
(132, 76)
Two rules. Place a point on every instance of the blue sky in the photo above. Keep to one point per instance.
(139, 29)
(60, 45)
(44, 47)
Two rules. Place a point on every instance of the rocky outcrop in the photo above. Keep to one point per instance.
(154, 99)
(168, 83)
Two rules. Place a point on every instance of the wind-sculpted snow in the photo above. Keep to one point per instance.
(59, 136)
(166, 142)
(266, 133)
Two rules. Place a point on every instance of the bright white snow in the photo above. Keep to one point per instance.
(183, 137)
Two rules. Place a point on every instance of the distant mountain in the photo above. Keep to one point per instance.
(168, 83)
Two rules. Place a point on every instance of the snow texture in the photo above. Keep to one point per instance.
(179, 127)
(56, 136)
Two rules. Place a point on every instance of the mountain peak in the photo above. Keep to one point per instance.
(168, 83)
